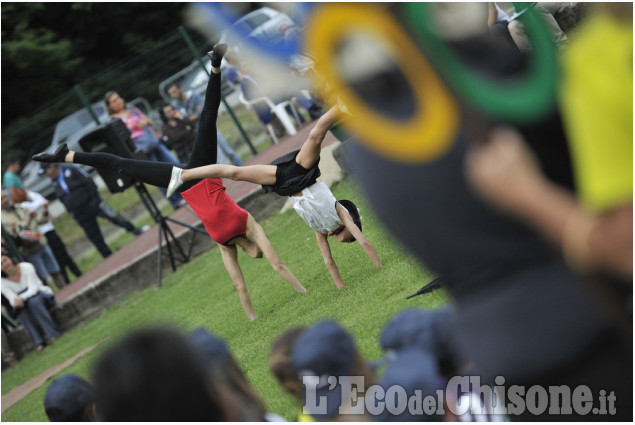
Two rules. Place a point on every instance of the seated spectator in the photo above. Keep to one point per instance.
(70, 398)
(178, 132)
(142, 134)
(326, 350)
(229, 377)
(157, 375)
(22, 225)
(31, 301)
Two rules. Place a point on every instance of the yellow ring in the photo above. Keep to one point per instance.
(429, 132)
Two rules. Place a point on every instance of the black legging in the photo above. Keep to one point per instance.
(158, 173)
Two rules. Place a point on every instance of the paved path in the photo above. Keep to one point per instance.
(18, 393)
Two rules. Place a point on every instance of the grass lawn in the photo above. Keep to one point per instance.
(201, 294)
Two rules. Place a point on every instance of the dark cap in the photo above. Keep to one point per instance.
(413, 369)
(211, 346)
(325, 350)
(67, 397)
(43, 167)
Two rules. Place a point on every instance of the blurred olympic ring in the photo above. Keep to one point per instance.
(519, 101)
(432, 128)
(281, 52)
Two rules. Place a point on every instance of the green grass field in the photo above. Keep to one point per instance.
(201, 294)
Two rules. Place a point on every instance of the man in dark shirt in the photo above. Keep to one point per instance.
(79, 194)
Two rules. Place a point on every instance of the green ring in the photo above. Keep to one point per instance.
(520, 101)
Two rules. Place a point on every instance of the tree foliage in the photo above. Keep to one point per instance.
(48, 48)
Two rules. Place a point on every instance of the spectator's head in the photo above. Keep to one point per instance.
(70, 399)
(14, 164)
(52, 171)
(114, 103)
(227, 375)
(8, 265)
(157, 375)
(175, 90)
(343, 234)
(431, 331)
(281, 362)
(166, 112)
(323, 354)
(412, 371)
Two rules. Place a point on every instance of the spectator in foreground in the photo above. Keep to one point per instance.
(31, 300)
(79, 194)
(157, 375)
(229, 377)
(325, 350)
(281, 366)
(70, 398)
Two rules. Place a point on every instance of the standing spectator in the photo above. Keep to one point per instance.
(79, 194)
(31, 300)
(22, 224)
(142, 134)
(39, 204)
(190, 104)
(13, 182)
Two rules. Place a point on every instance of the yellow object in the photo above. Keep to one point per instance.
(305, 418)
(432, 128)
(597, 106)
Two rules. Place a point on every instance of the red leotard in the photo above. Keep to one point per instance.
(222, 217)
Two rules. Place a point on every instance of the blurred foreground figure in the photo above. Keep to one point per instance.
(521, 312)
(70, 398)
(157, 375)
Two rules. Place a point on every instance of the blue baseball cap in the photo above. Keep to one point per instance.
(413, 369)
(210, 345)
(67, 397)
(325, 350)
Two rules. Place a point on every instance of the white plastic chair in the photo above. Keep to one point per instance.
(279, 110)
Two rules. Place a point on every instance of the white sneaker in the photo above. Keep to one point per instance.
(175, 181)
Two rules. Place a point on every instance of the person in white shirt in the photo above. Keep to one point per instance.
(39, 203)
(30, 298)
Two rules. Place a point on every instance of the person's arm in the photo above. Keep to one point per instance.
(492, 15)
(325, 249)
(198, 107)
(256, 233)
(230, 259)
(33, 282)
(505, 172)
(8, 293)
(357, 234)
